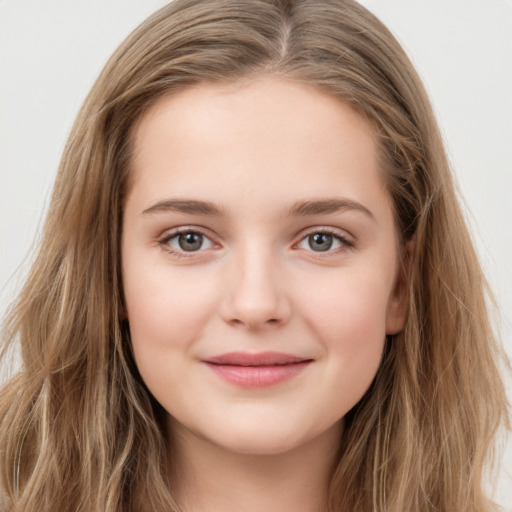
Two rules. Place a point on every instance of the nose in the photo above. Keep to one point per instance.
(255, 297)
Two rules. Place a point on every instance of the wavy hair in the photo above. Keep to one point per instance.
(80, 432)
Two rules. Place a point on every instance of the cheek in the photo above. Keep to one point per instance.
(165, 309)
(353, 302)
(350, 321)
(167, 312)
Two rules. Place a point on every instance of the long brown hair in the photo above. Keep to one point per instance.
(78, 429)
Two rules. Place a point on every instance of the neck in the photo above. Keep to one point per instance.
(207, 477)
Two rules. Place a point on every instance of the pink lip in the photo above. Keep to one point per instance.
(256, 370)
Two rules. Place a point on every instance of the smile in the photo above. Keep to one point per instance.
(256, 370)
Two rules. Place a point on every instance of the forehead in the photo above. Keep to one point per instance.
(270, 133)
(267, 104)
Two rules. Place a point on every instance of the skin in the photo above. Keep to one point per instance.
(254, 150)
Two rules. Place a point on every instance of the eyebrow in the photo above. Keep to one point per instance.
(190, 206)
(325, 206)
(299, 209)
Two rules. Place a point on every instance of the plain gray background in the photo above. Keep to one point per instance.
(51, 52)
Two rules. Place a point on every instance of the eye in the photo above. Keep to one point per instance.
(188, 241)
(323, 241)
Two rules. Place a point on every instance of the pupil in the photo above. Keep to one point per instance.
(320, 241)
(190, 241)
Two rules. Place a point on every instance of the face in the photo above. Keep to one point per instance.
(259, 262)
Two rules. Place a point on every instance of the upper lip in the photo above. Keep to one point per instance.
(255, 359)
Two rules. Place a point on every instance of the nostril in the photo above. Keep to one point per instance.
(255, 307)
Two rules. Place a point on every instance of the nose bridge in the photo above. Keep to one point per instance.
(256, 294)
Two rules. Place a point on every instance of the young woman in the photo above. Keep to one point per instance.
(255, 288)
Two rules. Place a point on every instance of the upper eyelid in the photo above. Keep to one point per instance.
(345, 239)
(339, 233)
(172, 232)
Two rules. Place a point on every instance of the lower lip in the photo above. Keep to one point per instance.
(258, 376)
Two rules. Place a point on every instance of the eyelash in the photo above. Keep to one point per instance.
(346, 244)
(164, 242)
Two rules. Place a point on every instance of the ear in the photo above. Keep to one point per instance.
(398, 304)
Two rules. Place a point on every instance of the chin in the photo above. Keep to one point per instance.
(253, 439)
(260, 445)
(272, 438)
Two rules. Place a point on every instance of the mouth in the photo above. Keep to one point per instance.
(258, 370)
